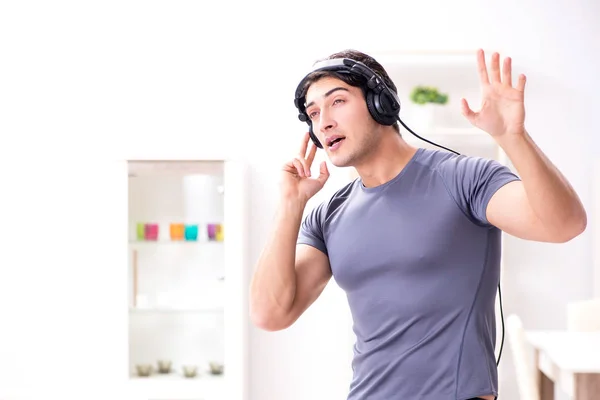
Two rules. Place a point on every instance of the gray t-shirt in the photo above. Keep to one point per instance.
(420, 265)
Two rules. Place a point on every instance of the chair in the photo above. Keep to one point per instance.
(526, 378)
(584, 316)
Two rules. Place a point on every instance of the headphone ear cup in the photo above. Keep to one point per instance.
(370, 98)
(382, 107)
(388, 108)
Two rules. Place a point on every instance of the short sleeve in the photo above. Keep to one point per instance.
(472, 181)
(311, 229)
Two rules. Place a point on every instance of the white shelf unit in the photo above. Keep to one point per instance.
(195, 309)
(453, 73)
(173, 386)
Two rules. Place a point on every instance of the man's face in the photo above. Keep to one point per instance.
(341, 121)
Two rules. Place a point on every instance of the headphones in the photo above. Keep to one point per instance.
(383, 105)
(382, 102)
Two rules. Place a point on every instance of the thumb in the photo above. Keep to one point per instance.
(469, 114)
(323, 173)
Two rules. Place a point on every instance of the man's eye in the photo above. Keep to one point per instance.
(336, 100)
(312, 114)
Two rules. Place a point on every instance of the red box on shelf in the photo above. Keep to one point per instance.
(151, 231)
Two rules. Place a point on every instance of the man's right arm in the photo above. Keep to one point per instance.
(288, 277)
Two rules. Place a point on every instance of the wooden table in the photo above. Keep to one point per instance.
(569, 360)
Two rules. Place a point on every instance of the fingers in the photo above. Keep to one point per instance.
(303, 161)
(466, 110)
(495, 68)
(483, 75)
(323, 173)
(304, 145)
(521, 82)
(507, 71)
(311, 155)
(301, 167)
(498, 76)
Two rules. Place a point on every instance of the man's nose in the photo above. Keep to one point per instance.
(326, 122)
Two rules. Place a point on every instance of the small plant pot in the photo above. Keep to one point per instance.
(190, 371)
(164, 366)
(143, 370)
(216, 368)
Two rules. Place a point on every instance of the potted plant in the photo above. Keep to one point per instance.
(428, 95)
(428, 100)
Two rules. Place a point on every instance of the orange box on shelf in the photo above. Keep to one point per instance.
(177, 231)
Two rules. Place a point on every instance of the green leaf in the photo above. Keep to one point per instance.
(428, 94)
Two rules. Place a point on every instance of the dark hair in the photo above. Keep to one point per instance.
(353, 80)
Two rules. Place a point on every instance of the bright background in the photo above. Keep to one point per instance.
(86, 85)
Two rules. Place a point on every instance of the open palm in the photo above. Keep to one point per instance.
(502, 107)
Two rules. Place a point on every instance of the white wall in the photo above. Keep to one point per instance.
(183, 80)
(596, 228)
(559, 59)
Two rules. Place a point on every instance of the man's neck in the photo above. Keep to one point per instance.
(386, 161)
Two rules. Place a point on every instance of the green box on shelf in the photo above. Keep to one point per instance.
(141, 231)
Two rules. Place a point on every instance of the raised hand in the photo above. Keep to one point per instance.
(502, 109)
(296, 182)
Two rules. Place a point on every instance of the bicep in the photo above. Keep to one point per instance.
(509, 210)
(312, 275)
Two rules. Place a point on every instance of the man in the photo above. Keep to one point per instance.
(415, 240)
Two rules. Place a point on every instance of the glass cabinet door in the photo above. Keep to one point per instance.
(177, 273)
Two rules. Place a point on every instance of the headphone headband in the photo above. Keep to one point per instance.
(382, 102)
(339, 65)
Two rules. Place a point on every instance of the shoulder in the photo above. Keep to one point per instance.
(433, 158)
(335, 201)
(439, 161)
(314, 227)
(461, 166)
(471, 181)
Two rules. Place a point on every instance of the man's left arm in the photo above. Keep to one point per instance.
(542, 206)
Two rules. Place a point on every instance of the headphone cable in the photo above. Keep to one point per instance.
(499, 290)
